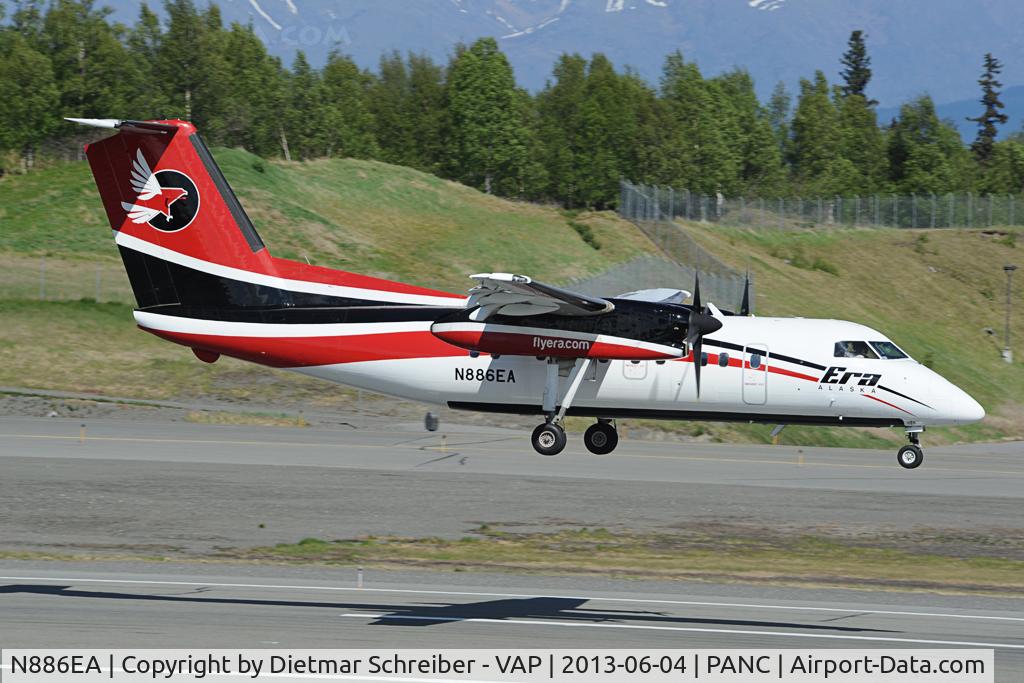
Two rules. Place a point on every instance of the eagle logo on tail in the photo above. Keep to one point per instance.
(152, 200)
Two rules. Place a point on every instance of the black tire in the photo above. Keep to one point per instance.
(548, 439)
(601, 438)
(910, 457)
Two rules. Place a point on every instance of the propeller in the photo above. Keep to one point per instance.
(699, 324)
(745, 304)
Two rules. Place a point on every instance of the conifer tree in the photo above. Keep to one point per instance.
(778, 112)
(857, 67)
(993, 116)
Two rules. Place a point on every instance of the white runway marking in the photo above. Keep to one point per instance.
(644, 601)
(688, 629)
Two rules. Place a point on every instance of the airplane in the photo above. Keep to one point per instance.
(203, 278)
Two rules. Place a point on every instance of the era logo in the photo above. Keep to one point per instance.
(836, 375)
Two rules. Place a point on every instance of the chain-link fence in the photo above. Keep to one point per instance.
(652, 210)
(653, 203)
(56, 279)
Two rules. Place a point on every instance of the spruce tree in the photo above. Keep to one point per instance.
(778, 112)
(984, 143)
(857, 67)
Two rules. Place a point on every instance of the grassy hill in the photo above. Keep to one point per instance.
(364, 216)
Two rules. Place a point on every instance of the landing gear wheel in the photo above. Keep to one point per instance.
(548, 439)
(601, 438)
(910, 456)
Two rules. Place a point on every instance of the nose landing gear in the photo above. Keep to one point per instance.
(911, 456)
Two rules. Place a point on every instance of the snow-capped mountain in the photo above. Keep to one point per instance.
(917, 46)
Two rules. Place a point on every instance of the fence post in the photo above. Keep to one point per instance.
(970, 210)
(913, 209)
(1012, 217)
(820, 218)
(952, 210)
(671, 203)
(782, 213)
(990, 210)
(933, 209)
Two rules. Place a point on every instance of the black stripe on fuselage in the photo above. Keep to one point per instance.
(161, 284)
(702, 415)
(771, 354)
(893, 391)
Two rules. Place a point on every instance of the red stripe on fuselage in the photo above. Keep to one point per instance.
(296, 352)
(891, 405)
(739, 363)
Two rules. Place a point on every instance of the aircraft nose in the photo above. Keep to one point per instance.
(961, 406)
(967, 409)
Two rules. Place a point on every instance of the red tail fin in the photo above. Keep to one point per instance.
(161, 187)
(185, 239)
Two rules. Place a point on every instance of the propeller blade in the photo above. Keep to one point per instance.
(745, 304)
(697, 358)
(696, 290)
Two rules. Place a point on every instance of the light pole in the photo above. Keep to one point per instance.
(1007, 352)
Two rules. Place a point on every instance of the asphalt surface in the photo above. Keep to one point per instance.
(68, 605)
(196, 488)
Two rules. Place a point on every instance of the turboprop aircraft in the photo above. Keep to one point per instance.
(204, 279)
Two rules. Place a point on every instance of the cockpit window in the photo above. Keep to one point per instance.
(854, 349)
(888, 350)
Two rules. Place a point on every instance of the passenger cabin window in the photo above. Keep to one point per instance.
(854, 349)
(755, 361)
(888, 350)
(723, 360)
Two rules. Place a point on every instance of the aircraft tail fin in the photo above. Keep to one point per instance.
(186, 241)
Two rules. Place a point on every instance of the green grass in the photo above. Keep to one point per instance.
(694, 554)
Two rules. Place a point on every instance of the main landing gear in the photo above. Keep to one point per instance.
(911, 456)
(549, 438)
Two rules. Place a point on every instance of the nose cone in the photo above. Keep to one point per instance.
(957, 406)
(967, 409)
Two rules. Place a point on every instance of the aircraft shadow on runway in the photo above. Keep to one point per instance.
(432, 614)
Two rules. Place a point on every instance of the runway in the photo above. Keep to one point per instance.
(130, 487)
(68, 605)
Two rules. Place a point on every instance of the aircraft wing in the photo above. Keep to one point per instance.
(662, 295)
(518, 295)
